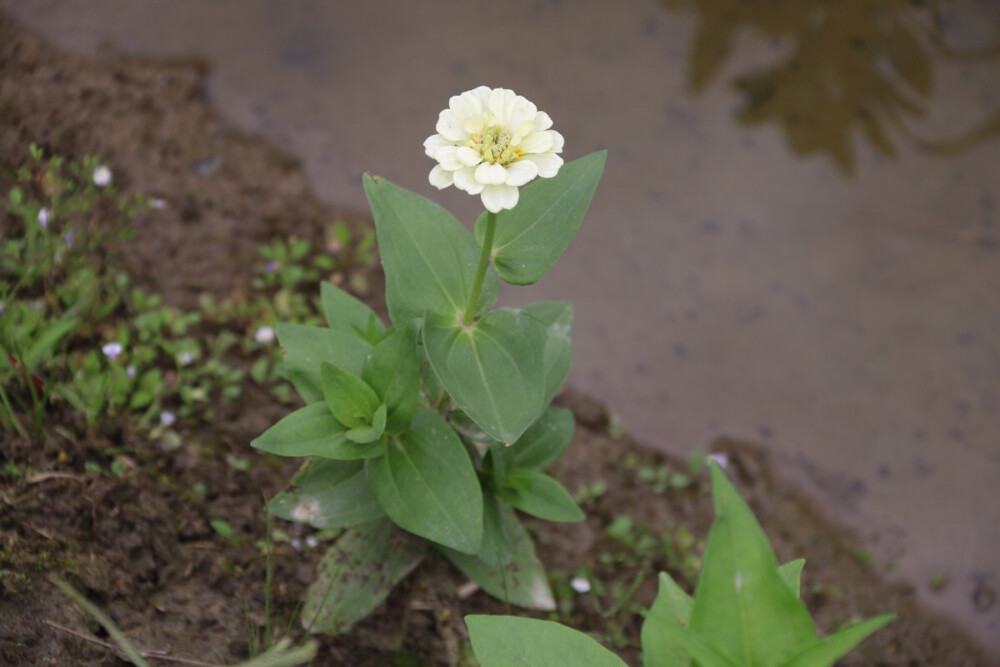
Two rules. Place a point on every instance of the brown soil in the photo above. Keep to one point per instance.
(141, 547)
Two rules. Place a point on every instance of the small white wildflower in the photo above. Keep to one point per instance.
(43, 217)
(264, 335)
(580, 585)
(130, 371)
(185, 358)
(721, 459)
(296, 543)
(112, 350)
(102, 176)
(168, 418)
(157, 203)
(70, 235)
(491, 141)
(1, 308)
(312, 542)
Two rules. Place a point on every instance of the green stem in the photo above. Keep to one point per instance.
(484, 262)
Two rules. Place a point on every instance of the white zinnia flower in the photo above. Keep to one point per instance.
(491, 141)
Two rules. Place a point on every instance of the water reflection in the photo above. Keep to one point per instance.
(841, 67)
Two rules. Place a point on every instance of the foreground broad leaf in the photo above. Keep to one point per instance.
(313, 431)
(539, 495)
(357, 573)
(429, 257)
(492, 369)
(506, 641)
(672, 607)
(427, 485)
(543, 442)
(305, 347)
(393, 371)
(531, 236)
(327, 494)
(506, 566)
(349, 398)
(345, 313)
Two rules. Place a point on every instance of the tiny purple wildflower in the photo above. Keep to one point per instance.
(185, 358)
(43, 218)
(168, 418)
(580, 585)
(270, 267)
(130, 371)
(70, 235)
(112, 350)
(264, 335)
(721, 459)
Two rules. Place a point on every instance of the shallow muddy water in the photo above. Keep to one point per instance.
(796, 241)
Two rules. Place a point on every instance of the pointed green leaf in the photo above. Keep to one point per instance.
(506, 566)
(531, 236)
(672, 607)
(429, 258)
(327, 494)
(351, 400)
(393, 371)
(742, 605)
(830, 649)
(492, 369)
(357, 574)
(537, 494)
(427, 485)
(365, 434)
(700, 649)
(543, 442)
(791, 573)
(345, 313)
(508, 641)
(305, 347)
(557, 318)
(313, 431)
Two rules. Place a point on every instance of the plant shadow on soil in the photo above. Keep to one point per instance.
(141, 546)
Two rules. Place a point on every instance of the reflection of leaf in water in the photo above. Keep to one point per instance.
(854, 65)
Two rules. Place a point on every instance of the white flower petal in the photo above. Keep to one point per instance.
(465, 180)
(521, 172)
(502, 103)
(542, 121)
(449, 126)
(433, 143)
(468, 157)
(548, 163)
(446, 156)
(499, 197)
(440, 178)
(557, 141)
(537, 142)
(491, 174)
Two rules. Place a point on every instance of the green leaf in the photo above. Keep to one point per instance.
(672, 607)
(557, 318)
(357, 574)
(46, 341)
(506, 566)
(349, 397)
(313, 431)
(429, 257)
(305, 347)
(327, 494)
(509, 641)
(743, 607)
(345, 313)
(830, 649)
(543, 442)
(393, 371)
(537, 494)
(365, 434)
(791, 573)
(492, 369)
(427, 485)
(532, 236)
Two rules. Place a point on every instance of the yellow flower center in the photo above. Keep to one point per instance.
(494, 145)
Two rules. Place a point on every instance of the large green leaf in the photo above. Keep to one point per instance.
(492, 369)
(345, 313)
(313, 431)
(743, 606)
(557, 318)
(506, 566)
(543, 442)
(305, 347)
(327, 494)
(393, 371)
(429, 258)
(512, 641)
(357, 573)
(672, 607)
(830, 649)
(427, 485)
(349, 397)
(539, 495)
(531, 236)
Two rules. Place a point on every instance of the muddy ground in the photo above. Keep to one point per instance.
(140, 545)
